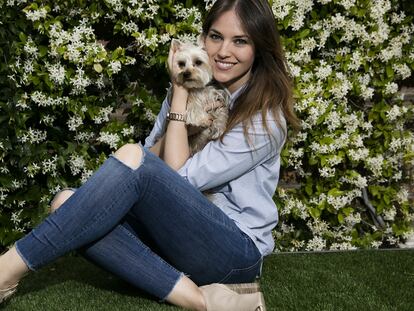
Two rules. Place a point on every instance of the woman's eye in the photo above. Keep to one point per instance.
(214, 37)
(240, 41)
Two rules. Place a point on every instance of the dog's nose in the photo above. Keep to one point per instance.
(187, 74)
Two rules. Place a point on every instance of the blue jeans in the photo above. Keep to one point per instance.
(147, 225)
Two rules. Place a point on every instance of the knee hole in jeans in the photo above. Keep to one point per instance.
(130, 155)
(59, 199)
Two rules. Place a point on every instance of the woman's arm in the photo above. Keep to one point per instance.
(176, 150)
(221, 161)
(174, 146)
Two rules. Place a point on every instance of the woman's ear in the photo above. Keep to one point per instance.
(201, 41)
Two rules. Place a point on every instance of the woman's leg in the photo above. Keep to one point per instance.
(185, 228)
(84, 218)
(91, 212)
(123, 253)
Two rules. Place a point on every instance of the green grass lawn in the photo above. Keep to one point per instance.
(359, 280)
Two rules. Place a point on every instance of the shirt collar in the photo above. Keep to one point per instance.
(235, 94)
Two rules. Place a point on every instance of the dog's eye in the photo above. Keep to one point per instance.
(181, 64)
(198, 62)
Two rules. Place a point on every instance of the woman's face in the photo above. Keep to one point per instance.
(230, 50)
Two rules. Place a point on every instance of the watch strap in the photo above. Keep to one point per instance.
(175, 116)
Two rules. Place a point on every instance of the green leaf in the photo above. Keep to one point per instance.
(304, 33)
(43, 50)
(308, 188)
(390, 71)
(314, 212)
(22, 37)
(335, 192)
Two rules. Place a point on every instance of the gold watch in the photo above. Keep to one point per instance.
(175, 116)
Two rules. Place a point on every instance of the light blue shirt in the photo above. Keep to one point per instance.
(242, 177)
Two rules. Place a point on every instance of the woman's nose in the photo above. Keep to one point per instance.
(224, 50)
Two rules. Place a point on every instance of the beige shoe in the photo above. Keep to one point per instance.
(219, 297)
(7, 293)
(244, 288)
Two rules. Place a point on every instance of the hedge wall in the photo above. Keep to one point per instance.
(80, 78)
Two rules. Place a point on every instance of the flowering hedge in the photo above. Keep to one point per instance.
(80, 78)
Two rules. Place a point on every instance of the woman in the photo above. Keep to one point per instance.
(146, 220)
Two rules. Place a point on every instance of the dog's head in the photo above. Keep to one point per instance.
(192, 68)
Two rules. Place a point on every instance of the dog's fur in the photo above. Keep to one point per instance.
(207, 105)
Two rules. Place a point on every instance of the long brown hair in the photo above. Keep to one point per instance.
(270, 85)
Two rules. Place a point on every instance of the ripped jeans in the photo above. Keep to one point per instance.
(148, 226)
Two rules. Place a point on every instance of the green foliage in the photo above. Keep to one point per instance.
(348, 59)
(77, 80)
(80, 78)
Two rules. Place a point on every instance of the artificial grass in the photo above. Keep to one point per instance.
(357, 280)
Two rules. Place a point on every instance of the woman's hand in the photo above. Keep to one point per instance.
(192, 130)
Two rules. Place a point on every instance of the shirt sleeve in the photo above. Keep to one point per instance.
(160, 123)
(220, 162)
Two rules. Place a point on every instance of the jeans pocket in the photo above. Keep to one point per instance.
(244, 275)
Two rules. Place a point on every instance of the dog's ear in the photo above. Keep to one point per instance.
(201, 41)
(176, 44)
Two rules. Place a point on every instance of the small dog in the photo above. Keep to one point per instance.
(207, 105)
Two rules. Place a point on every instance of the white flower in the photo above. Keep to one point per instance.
(84, 136)
(103, 115)
(402, 196)
(149, 115)
(30, 48)
(367, 92)
(376, 244)
(353, 219)
(74, 122)
(57, 73)
(36, 14)
(115, 4)
(323, 71)
(390, 213)
(393, 50)
(49, 166)
(356, 61)
(32, 169)
(33, 136)
(77, 164)
(341, 87)
(397, 19)
(379, 8)
(316, 244)
(327, 172)
(347, 4)
(85, 175)
(318, 227)
(402, 70)
(79, 82)
(395, 144)
(109, 138)
(115, 66)
(28, 66)
(128, 131)
(394, 113)
(346, 246)
(391, 88)
(129, 28)
(375, 164)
